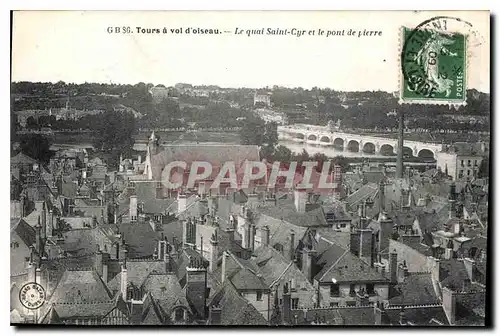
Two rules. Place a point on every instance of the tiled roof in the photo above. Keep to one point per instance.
(354, 316)
(22, 158)
(417, 289)
(166, 289)
(419, 315)
(235, 310)
(285, 209)
(24, 231)
(137, 272)
(69, 189)
(146, 194)
(280, 230)
(84, 241)
(347, 268)
(80, 287)
(453, 274)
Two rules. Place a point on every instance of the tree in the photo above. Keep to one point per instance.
(252, 132)
(484, 168)
(115, 132)
(342, 161)
(36, 146)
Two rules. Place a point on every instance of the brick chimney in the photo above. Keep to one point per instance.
(287, 304)
(44, 221)
(38, 238)
(366, 240)
(402, 271)
(449, 304)
(264, 235)
(393, 266)
(291, 247)
(452, 200)
(162, 248)
(300, 200)
(215, 315)
(133, 208)
(124, 281)
(214, 251)
(308, 262)
(225, 255)
(381, 317)
(181, 202)
(385, 233)
(136, 308)
(196, 287)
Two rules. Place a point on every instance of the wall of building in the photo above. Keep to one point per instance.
(262, 306)
(444, 160)
(344, 294)
(467, 166)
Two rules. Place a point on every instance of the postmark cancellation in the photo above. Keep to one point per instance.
(435, 61)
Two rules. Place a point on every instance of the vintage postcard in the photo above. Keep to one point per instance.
(274, 168)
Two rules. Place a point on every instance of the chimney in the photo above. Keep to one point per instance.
(123, 251)
(136, 308)
(399, 162)
(51, 223)
(300, 199)
(402, 271)
(253, 229)
(230, 233)
(393, 266)
(124, 282)
(381, 317)
(133, 208)
(452, 200)
(225, 255)
(215, 316)
(402, 316)
(366, 237)
(214, 251)
(385, 233)
(244, 220)
(38, 275)
(308, 262)
(435, 268)
(264, 236)
(196, 287)
(355, 242)
(98, 261)
(181, 202)
(44, 221)
(291, 247)
(448, 252)
(449, 304)
(162, 248)
(32, 272)
(287, 304)
(38, 238)
(381, 190)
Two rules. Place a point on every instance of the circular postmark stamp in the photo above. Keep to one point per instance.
(32, 295)
(435, 58)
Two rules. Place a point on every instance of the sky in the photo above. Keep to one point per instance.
(76, 47)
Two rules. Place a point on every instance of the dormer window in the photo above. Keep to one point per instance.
(179, 314)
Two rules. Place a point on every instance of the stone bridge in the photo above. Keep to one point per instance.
(323, 136)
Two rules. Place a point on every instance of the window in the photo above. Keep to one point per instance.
(475, 163)
(462, 163)
(259, 296)
(352, 289)
(350, 303)
(343, 225)
(461, 173)
(334, 304)
(468, 172)
(334, 290)
(370, 289)
(468, 163)
(295, 303)
(179, 314)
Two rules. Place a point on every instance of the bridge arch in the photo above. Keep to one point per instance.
(426, 153)
(325, 139)
(369, 148)
(338, 143)
(353, 146)
(312, 137)
(299, 136)
(387, 150)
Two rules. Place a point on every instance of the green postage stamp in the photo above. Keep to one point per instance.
(433, 64)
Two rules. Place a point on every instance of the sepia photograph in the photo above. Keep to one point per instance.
(250, 168)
